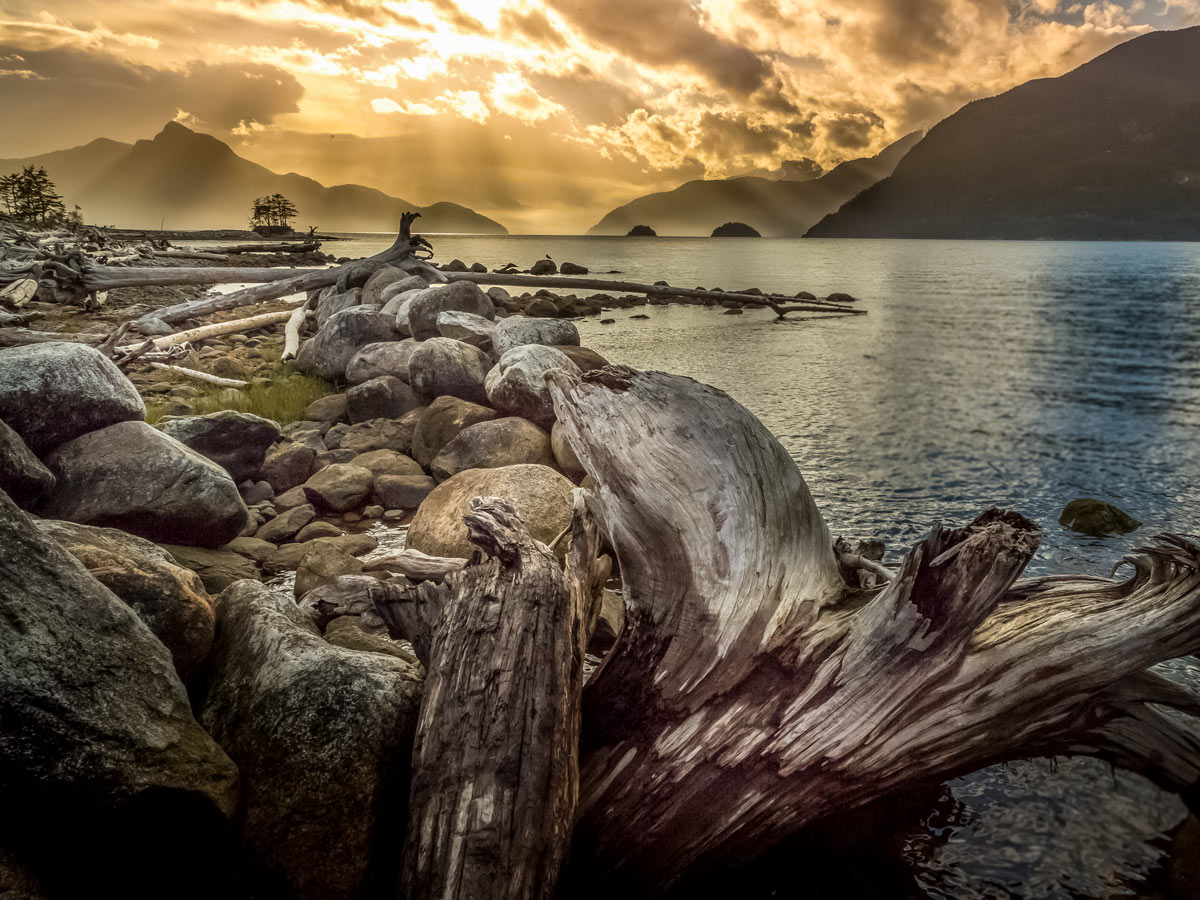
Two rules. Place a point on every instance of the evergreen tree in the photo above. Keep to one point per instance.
(30, 196)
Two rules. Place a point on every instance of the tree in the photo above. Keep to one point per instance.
(272, 214)
(30, 196)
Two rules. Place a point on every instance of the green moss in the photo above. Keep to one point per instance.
(282, 400)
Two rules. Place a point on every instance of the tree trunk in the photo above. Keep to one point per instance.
(494, 766)
(750, 694)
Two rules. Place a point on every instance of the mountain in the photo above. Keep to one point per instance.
(184, 179)
(1109, 151)
(774, 208)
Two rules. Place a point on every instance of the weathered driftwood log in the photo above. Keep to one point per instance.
(267, 247)
(416, 565)
(200, 376)
(18, 337)
(407, 252)
(747, 696)
(779, 304)
(217, 329)
(494, 766)
(291, 331)
(100, 277)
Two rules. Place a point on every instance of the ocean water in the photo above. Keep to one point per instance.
(1019, 374)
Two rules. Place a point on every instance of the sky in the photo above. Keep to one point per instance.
(543, 114)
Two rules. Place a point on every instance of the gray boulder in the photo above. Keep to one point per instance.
(383, 397)
(338, 488)
(133, 477)
(441, 367)
(461, 296)
(402, 491)
(169, 598)
(1096, 518)
(22, 475)
(540, 495)
(322, 736)
(330, 350)
(326, 410)
(516, 331)
(411, 283)
(543, 267)
(517, 385)
(287, 524)
(217, 569)
(442, 422)
(489, 445)
(387, 358)
(98, 730)
(383, 434)
(372, 292)
(235, 441)
(331, 303)
(570, 268)
(52, 393)
(287, 465)
(468, 328)
(388, 462)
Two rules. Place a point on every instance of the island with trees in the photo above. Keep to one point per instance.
(735, 229)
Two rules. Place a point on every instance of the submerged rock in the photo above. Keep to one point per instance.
(540, 495)
(133, 477)
(1096, 518)
(322, 736)
(235, 441)
(55, 392)
(168, 597)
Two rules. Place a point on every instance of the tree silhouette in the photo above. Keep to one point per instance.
(30, 196)
(272, 213)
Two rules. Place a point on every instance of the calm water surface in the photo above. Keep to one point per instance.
(1021, 374)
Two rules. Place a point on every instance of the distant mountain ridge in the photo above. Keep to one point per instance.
(1108, 151)
(774, 208)
(188, 180)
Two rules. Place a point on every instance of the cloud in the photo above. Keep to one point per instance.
(512, 94)
(852, 131)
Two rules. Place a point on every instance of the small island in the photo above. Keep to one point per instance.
(641, 231)
(735, 229)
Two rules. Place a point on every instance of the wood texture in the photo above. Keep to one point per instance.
(749, 695)
(494, 766)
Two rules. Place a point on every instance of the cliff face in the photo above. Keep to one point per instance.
(189, 180)
(1107, 151)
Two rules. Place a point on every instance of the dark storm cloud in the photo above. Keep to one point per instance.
(668, 32)
(733, 134)
(852, 131)
(95, 95)
(800, 169)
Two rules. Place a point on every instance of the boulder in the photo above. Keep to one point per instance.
(399, 307)
(540, 495)
(1096, 518)
(587, 359)
(322, 736)
(99, 746)
(321, 562)
(317, 530)
(383, 397)
(344, 595)
(133, 477)
(330, 408)
(386, 358)
(545, 266)
(388, 462)
(287, 465)
(168, 597)
(442, 422)
(467, 327)
(340, 487)
(256, 492)
(489, 445)
(570, 268)
(460, 296)
(218, 569)
(517, 385)
(542, 308)
(411, 283)
(287, 524)
(22, 475)
(254, 548)
(372, 292)
(235, 441)
(329, 457)
(329, 351)
(441, 367)
(55, 392)
(353, 633)
(331, 303)
(564, 456)
(383, 434)
(516, 331)
(402, 491)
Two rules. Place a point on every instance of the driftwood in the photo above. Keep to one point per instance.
(494, 765)
(780, 305)
(267, 247)
(407, 252)
(19, 337)
(416, 565)
(751, 692)
(100, 277)
(217, 329)
(200, 376)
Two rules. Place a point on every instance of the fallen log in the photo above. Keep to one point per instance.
(779, 304)
(407, 252)
(494, 764)
(200, 376)
(291, 331)
(103, 278)
(750, 694)
(19, 337)
(267, 247)
(217, 329)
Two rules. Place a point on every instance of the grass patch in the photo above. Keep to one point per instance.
(283, 400)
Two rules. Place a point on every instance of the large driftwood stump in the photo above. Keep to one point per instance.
(750, 694)
(494, 768)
